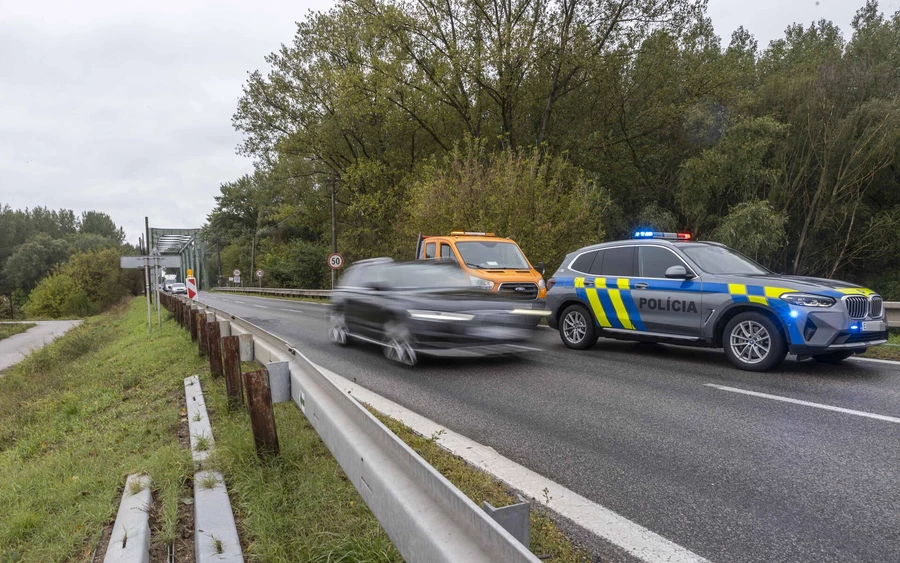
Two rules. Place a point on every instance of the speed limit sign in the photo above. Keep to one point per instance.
(236, 273)
(259, 273)
(335, 261)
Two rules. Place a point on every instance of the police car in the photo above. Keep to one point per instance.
(665, 287)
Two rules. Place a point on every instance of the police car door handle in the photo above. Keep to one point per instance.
(641, 285)
(588, 282)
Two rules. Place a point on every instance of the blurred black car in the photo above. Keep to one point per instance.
(427, 307)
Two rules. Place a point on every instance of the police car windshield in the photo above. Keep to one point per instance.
(721, 260)
(493, 255)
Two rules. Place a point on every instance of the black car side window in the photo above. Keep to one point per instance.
(618, 262)
(598, 261)
(583, 263)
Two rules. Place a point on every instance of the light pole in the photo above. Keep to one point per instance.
(333, 231)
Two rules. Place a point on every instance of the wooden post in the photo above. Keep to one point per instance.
(262, 416)
(201, 332)
(234, 386)
(192, 319)
(214, 347)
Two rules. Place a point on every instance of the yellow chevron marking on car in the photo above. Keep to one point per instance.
(757, 299)
(623, 283)
(621, 313)
(598, 308)
(737, 289)
(579, 282)
(856, 291)
(776, 292)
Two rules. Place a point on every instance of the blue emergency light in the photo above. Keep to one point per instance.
(667, 236)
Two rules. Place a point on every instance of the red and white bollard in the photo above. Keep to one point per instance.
(191, 287)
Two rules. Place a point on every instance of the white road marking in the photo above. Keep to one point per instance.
(261, 306)
(288, 310)
(601, 521)
(805, 403)
(876, 360)
(241, 302)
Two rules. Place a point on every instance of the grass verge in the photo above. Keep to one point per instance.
(10, 329)
(76, 417)
(299, 506)
(891, 351)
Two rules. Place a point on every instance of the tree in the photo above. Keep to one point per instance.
(34, 260)
(98, 274)
(99, 223)
(754, 228)
(57, 296)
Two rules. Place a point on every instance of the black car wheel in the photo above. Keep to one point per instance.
(833, 357)
(752, 342)
(576, 328)
(398, 344)
(339, 333)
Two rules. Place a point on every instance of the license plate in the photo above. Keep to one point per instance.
(873, 326)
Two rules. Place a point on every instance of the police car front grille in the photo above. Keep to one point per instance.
(520, 290)
(857, 306)
(876, 307)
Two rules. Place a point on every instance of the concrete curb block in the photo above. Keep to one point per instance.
(198, 420)
(215, 534)
(130, 538)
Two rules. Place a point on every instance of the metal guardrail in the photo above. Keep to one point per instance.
(277, 291)
(426, 517)
(892, 310)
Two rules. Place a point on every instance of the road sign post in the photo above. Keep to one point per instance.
(155, 261)
(259, 276)
(237, 277)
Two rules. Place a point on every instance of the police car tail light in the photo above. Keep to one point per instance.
(668, 236)
(807, 300)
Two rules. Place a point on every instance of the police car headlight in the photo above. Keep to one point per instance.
(481, 283)
(808, 300)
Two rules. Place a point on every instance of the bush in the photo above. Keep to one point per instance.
(98, 274)
(58, 296)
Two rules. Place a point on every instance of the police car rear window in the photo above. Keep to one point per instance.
(583, 262)
(617, 262)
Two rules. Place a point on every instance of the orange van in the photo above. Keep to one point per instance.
(493, 263)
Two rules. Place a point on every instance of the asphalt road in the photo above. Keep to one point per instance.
(638, 429)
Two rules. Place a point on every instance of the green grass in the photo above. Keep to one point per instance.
(891, 351)
(547, 541)
(298, 506)
(77, 417)
(10, 329)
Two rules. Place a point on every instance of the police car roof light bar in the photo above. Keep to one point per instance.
(668, 236)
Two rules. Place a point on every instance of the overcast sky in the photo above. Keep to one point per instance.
(126, 107)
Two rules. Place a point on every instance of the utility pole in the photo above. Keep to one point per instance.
(333, 230)
(147, 242)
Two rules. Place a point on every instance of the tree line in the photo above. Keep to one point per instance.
(565, 122)
(57, 263)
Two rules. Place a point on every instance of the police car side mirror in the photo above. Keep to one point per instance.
(678, 273)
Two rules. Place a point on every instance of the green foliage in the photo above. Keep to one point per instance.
(99, 223)
(99, 276)
(58, 295)
(754, 228)
(34, 260)
(544, 203)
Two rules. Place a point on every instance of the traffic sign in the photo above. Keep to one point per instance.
(259, 273)
(237, 273)
(191, 287)
(335, 261)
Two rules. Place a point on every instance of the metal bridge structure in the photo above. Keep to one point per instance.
(187, 243)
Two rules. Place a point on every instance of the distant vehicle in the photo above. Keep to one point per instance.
(491, 263)
(664, 287)
(427, 307)
(177, 288)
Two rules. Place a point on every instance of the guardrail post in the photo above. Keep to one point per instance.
(193, 315)
(214, 347)
(262, 416)
(247, 353)
(234, 387)
(202, 340)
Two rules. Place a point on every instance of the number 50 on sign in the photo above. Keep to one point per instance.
(335, 261)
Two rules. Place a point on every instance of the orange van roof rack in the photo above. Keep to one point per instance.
(470, 234)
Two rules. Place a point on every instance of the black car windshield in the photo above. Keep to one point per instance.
(721, 260)
(492, 255)
(425, 276)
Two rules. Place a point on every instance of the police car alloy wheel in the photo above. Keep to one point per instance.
(398, 344)
(576, 328)
(752, 342)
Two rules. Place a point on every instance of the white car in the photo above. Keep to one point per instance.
(177, 288)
